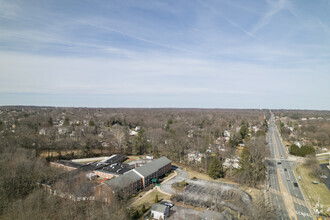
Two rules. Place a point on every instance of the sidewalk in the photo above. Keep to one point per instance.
(155, 188)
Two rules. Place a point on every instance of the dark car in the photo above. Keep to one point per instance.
(295, 184)
(285, 169)
(279, 163)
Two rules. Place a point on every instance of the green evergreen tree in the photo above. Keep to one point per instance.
(244, 130)
(66, 121)
(91, 123)
(215, 169)
(137, 214)
(50, 121)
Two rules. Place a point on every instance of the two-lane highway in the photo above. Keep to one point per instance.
(285, 193)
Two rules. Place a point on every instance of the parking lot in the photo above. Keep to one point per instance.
(201, 193)
(179, 212)
(208, 194)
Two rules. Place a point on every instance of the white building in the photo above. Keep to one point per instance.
(195, 157)
(159, 210)
(226, 133)
(133, 133)
(298, 144)
(42, 132)
(232, 163)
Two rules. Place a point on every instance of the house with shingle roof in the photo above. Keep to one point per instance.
(159, 210)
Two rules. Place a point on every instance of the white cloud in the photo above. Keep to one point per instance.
(8, 10)
(274, 8)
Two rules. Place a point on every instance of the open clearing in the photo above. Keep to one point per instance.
(203, 176)
(77, 153)
(312, 191)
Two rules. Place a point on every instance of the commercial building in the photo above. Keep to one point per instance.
(134, 179)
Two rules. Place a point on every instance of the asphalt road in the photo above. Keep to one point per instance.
(286, 198)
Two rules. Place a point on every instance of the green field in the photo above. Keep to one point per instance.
(313, 192)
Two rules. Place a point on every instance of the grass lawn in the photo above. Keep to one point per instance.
(137, 197)
(149, 199)
(323, 161)
(313, 191)
(134, 157)
(204, 176)
(79, 153)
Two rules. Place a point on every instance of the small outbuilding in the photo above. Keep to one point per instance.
(159, 211)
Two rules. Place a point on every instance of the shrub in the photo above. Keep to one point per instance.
(303, 151)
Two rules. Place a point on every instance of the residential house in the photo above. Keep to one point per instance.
(195, 157)
(232, 163)
(298, 144)
(159, 211)
(226, 133)
(42, 132)
(133, 133)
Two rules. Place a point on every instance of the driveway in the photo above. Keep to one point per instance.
(181, 175)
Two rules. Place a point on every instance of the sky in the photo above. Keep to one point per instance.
(166, 53)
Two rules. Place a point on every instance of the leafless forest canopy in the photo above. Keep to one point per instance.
(33, 136)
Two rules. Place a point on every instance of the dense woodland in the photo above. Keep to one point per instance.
(80, 132)
(309, 128)
(33, 136)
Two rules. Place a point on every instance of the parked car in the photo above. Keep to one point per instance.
(169, 204)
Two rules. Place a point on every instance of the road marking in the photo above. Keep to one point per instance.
(280, 183)
(287, 199)
(304, 214)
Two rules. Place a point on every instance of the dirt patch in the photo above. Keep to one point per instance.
(180, 186)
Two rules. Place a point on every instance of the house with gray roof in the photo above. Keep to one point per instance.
(159, 210)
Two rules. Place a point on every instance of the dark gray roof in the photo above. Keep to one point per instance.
(153, 166)
(94, 166)
(116, 158)
(115, 168)
(158, 207)
(121, 182)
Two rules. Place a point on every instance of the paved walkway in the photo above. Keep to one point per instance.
(156, 188)
(142, 196)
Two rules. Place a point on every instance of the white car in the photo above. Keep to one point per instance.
(169, 204)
